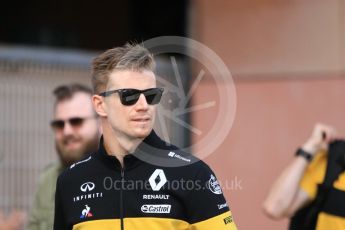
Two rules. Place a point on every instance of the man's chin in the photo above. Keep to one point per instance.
(68, 156)
(141, 133)
(73, 153)
(69, 161)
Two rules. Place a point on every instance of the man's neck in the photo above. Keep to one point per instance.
(120, 145)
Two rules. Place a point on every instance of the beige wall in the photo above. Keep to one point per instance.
(273, 36)
(288, 60)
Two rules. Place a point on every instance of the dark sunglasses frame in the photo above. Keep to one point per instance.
(73, 121)
(131, 96)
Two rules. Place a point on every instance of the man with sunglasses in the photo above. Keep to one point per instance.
(128, 183)
(77, 131)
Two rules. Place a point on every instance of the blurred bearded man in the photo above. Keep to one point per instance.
(77, 131)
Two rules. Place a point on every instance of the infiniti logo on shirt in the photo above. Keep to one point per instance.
(87, 187)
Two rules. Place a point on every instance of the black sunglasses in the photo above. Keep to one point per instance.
(131, 96)
(74, 122)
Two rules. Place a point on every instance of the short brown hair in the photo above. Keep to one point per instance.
(131, 56)
(64, 92)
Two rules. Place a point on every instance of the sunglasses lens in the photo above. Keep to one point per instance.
(129, 96)
(76, 121)
(57, 124)
(60, 124)
(153, 96)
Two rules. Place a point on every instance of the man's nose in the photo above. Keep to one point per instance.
(142, 103)
(67, 129)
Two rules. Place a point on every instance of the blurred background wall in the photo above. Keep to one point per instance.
(27, 78)
(44, 44)
(287, 59)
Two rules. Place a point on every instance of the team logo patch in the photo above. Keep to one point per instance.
(87, 187)
(156, 197)
(157, 179)
(175, 155)
(156, 208)
(221, 206)
(86, 212)
(227, 220)
(213, 185)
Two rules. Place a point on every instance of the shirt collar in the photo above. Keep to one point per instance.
(150, 146)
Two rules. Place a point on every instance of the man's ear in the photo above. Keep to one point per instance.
(99, 105)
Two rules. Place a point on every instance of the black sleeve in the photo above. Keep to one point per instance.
(60, 222)
(206, 205)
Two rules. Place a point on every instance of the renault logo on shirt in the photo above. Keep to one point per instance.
(157, 179)
(87, 187)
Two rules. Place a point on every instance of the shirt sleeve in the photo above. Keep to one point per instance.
(35, 212)
(206, 205)
(60, 222)
(314, 174)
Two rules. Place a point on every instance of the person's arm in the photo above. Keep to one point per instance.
(36, 211)
(35, 214)
(286, 196)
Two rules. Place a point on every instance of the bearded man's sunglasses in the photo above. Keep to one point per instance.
(73, 121)
(131, 96)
